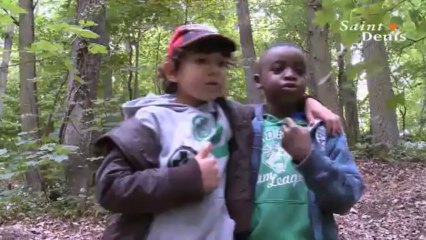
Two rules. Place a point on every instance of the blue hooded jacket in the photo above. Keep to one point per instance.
(334, 181)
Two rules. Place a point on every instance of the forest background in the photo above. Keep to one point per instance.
(67, 66)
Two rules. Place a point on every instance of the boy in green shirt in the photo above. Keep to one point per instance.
(301, 176)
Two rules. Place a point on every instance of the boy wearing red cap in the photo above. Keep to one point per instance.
(179, 166)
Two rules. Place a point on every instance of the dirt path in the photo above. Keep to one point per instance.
(393, 207)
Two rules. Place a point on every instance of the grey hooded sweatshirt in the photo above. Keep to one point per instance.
(183, 130)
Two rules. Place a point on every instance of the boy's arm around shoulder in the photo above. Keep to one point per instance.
(129, 180)
(331, 173)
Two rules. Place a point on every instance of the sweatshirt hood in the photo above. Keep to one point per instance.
(166, 100)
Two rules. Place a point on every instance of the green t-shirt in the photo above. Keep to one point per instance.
(281, 204)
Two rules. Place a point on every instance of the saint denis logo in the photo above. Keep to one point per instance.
(375, 31)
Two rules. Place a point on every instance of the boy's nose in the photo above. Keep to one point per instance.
(289, 75)
(214, 69)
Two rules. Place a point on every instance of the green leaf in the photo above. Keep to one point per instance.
(349, 37)
(70, 148)
(84, 33)
(95, 48)
(421, 26)
(85, 23)
(397, 100)
(347, 4)
(327, 4)
(32, 163)
(375, 8)
(397, 20)
(75, 29)
(44, 45)
(5, 19)
(13, 8)
(87, 34)
(414, 15)
(323, 17)
(48, 147)
(66, 149)
(58, 158)
(374, 13)
(58, 27)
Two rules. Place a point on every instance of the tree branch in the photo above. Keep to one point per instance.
(16, 22)
(49, 126)
(17, 64)
(35, 4)
(417, 40)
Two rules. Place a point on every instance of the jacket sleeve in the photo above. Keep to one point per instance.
(331, 173)
(129, 180)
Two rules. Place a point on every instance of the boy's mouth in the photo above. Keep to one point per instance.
(289, 85)
(212, 84)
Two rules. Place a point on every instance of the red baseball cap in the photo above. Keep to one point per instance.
(185, 35)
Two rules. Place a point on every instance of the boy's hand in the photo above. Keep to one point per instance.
(296, 140)
(314, 109)
(209, 169)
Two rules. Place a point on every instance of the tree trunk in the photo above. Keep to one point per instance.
(422, 120)
(137, 52)
(157, 80)
(347, 97)
(27, 70)
(341, 79)
(246, 39)
(383, 117)
(312, 86)
(80, 95)
(4, 67)
(28, 89)
(129, 49)
(320, 58)
(107, 80)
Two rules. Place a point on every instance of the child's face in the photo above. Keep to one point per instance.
(202, 76)
(282, 74)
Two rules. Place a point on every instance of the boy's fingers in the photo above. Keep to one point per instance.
(338, 129)
(290, 123)
(205, 151)
(336, 126)
(285, 129)
(329, 127)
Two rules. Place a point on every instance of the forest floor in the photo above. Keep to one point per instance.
(393, 207)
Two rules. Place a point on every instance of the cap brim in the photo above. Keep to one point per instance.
(213, 36)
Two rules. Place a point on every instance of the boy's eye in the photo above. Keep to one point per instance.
(223, 64)
(278, 68)
(300, 70)
(200, 60)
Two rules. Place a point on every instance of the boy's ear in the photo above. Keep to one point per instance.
(257, 81)
(169, 71)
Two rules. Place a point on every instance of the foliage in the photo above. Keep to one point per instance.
(27, 154)
(145, 27)
(17, 204)
(405, 151)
